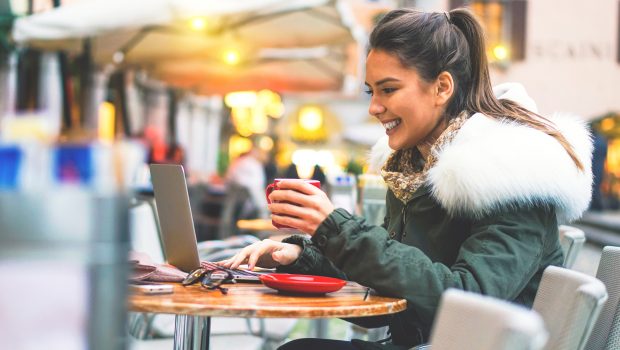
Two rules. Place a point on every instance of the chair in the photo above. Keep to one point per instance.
(462, 316)
(606, 332)
(572, 240)
(569, 302)
(237, 205)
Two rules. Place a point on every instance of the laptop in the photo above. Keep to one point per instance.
(175, 219)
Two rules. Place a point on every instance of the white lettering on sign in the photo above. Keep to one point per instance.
(574, 51)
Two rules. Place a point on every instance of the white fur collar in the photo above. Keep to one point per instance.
(490, 164)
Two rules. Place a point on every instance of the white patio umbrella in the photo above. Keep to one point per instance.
(156, 34)
(283, 70)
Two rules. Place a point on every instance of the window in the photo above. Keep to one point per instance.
(504, 23)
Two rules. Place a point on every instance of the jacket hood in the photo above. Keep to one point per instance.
(491, 164)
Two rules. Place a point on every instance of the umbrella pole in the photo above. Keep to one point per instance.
(65, 85)
(172, 116)
(67, 118)
(88, 117)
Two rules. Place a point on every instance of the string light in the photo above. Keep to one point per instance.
(231, 57)
(198, 23)
(311, 118)
(500, 52)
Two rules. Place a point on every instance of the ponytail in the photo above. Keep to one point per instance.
(481, 98)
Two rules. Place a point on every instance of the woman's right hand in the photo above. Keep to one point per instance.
(266, 253)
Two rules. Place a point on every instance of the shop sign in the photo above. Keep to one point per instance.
(572, 51)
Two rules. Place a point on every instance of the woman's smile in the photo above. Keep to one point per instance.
(391, 125)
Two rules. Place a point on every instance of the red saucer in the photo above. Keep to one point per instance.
(302, 283)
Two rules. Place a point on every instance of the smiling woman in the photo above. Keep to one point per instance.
(477, 183)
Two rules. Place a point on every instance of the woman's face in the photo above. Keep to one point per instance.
(406, 105)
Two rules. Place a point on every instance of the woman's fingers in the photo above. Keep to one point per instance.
(243, 255)
(290, 196)
(252, 253)
(258, 253)
(303, 225)
(266, 253)
(290, 209)
(317, 201)
(223, 263)
(300, 205)
(237, 260)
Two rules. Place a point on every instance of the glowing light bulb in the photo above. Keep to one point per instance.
(500, 52)
(265, 143)
(232, 57)
(198, 23)
(240, 99)
(607, 124)
(311, 118)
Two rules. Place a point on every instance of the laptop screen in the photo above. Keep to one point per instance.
(175, 216)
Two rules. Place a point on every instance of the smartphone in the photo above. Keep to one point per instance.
(151, 288)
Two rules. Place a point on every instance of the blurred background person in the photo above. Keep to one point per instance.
(248, 171)
(271, 168)
(176, 154)
(291, 172)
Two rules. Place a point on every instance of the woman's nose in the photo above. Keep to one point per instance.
(375, 109)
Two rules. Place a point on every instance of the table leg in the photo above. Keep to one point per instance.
(191, 332)
(320, 327)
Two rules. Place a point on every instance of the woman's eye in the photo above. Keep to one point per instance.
(368, 91)
(388, 90)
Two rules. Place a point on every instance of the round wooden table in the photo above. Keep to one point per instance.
(193, 307)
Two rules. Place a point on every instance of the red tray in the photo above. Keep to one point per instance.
(302, 283)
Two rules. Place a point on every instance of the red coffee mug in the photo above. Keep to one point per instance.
(274, 186)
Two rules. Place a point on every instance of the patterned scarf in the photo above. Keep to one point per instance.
(405, 170)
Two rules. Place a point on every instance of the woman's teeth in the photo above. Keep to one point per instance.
(391, 125)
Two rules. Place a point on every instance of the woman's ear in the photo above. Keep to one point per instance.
(444, 88)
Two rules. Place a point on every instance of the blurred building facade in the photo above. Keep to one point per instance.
(566, 54)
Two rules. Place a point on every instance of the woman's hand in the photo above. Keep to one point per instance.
(299, 205)
(266, 253)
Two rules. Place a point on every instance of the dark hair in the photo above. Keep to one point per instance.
(434, 42)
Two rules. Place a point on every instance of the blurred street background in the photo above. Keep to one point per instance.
(92, 91)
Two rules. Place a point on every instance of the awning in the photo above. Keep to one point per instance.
(293, 45)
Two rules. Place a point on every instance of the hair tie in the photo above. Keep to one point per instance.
(447, 14)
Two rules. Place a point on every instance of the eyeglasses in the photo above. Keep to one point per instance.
(210, 279)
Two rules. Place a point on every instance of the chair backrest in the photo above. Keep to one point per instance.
(462, 316)
(606, 332)
(572, 240)
(569, 302)
(237, 205)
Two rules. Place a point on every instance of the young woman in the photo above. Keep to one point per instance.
(478, 183)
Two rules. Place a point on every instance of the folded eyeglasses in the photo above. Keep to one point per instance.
(210, 279)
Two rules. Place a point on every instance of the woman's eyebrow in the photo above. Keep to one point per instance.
(385, 80)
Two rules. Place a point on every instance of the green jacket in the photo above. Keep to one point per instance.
(425, 250)
(485, 221)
